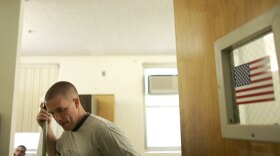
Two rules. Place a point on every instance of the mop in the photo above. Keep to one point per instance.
(45, 133)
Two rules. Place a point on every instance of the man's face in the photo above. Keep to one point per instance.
(64, 111)
(20, 151)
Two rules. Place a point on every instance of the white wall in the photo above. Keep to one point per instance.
(124, 79)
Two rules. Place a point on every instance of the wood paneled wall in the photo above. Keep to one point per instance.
(199, 23)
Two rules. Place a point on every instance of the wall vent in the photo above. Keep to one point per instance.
(163, 84)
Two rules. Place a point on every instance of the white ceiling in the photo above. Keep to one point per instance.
(97, 27)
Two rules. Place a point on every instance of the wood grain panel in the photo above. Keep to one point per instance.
(105, 106)
(199, 24)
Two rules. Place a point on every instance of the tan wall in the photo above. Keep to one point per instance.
(9, 22)
(198, 24)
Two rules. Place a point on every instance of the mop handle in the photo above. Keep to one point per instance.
(45, 133)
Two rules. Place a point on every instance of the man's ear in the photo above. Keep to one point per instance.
(77, 102)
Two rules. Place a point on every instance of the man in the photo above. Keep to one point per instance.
(84, 134)
(20, 150)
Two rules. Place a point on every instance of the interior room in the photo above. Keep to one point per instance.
(112, 51)
(103, 48)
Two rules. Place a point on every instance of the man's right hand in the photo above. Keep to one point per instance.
(43, 116)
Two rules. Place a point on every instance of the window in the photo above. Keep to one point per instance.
(162, 112)
(248, 79)
(30, 144)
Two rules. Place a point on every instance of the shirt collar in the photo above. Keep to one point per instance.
(77, 127)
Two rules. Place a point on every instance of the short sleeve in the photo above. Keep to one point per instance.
(113, 142)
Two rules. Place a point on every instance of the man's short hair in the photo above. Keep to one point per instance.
(22, 147)
(63, 88)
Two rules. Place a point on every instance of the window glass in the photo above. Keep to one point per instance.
(162, 116)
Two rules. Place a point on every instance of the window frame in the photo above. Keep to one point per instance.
(266, 22)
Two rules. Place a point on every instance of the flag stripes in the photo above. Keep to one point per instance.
(253, 82)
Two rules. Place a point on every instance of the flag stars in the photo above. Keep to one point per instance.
(242, 75)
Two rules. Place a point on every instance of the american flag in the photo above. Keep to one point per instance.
(253, 82)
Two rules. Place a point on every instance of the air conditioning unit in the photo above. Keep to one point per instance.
(162, 84)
